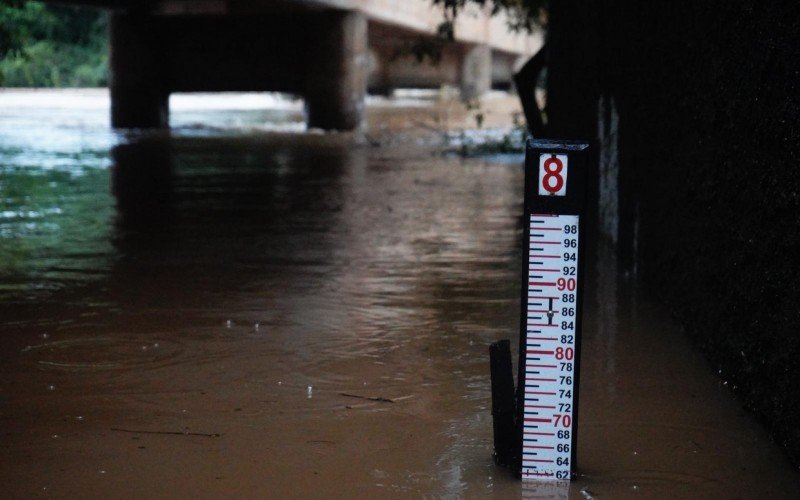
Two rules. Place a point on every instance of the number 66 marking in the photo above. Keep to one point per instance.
(552, 175)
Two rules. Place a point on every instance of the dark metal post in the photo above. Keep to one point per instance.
(503, 406)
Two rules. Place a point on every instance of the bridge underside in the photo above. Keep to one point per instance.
(329, 57)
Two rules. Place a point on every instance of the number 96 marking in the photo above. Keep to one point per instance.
(552, 175)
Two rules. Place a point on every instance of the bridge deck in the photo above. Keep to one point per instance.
(419, 16)
(329, 51)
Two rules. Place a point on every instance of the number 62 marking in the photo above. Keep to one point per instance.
(552, 174)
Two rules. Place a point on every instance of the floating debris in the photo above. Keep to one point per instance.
(376, 398)
(168, 433)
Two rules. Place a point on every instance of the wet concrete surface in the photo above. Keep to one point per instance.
(220, 334)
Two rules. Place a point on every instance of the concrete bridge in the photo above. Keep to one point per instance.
(330, 52)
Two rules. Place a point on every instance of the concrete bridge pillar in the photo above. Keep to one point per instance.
(476, 71)
(139, 98)
(336, 77)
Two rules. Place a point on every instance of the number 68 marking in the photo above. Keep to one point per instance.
(552, 174)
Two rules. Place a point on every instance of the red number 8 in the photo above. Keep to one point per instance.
(553, 173)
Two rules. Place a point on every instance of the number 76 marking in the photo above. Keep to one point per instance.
(552, 174)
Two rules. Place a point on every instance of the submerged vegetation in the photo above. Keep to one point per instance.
(493, 141)
(52, 46)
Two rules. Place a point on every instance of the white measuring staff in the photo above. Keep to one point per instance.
(547, 433)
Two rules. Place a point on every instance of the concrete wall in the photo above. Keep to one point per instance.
(695, 108)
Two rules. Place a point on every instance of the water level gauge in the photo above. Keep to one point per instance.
(535, 426)
(547, 390)
(550, 346)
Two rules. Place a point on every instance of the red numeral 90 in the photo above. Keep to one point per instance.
(563, 283)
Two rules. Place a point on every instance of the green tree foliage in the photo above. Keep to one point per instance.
(51, 46)
(523, 15)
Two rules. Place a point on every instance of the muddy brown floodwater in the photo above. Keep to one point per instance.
(208, 314)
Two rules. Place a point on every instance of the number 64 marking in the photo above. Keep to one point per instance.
(552, 174)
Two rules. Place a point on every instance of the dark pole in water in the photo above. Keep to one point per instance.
(503, 403)
(139, 95)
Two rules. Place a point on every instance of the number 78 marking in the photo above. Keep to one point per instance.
(552, 174)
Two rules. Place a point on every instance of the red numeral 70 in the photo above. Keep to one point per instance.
(564, 420)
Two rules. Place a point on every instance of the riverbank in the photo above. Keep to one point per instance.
(407, 112)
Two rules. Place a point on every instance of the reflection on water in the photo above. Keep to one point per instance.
(326, 309)
(551, 490)
(55, 207)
